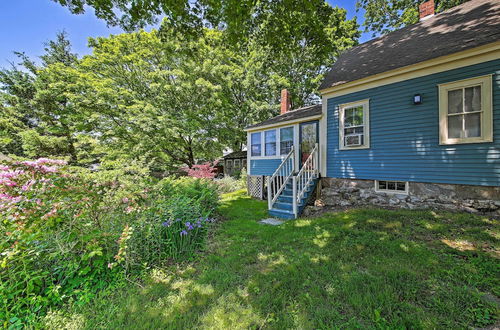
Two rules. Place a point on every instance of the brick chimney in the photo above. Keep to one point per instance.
(426, 10)
(285, 101)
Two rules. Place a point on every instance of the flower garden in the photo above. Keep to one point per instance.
(67, 234)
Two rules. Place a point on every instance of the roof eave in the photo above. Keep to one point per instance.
(283, 123)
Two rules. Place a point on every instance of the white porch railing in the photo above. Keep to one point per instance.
(305, 177)
(277, 182)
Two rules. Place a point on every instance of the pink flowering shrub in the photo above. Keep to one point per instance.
(202, 171)
(54, 241)
(65, 233)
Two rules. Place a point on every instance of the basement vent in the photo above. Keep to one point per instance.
(399, 187)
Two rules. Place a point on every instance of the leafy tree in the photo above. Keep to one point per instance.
(182, 94)
(299, 38)
(383, 16)
(165, 100)
(37, 119)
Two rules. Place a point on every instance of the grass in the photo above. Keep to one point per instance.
(362, 268)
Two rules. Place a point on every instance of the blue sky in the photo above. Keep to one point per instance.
(26, 24)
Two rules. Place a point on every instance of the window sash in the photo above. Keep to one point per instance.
(270, 143)
(466, 111)
(353, 120)
(286, 140)
(256, 149)
(465, 132)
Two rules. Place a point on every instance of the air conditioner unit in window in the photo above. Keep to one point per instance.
(353, 140)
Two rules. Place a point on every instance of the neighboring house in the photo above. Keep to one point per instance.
(411, 118)
(234, 162)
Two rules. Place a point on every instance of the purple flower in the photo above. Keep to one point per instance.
(166, 223)
(28, 185)
(198, 224)
(184, 233)
(189, 225)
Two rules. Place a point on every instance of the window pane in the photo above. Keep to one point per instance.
(401, 186)
(455, 101)
(256, 151)
(286, 134)
(473, 99)
(473, 125)
(353, 116)
(286, 140)
(391, 185)
(454, 126)
(271, 149)
(382, 185)
(256, 138)
(256, 148)
(270, 140)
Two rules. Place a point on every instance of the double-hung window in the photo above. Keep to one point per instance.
(270, 142)
(286, 140)
(354, 125)
(256, 144)
(465, 111)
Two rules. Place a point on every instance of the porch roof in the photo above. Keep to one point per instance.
(290, 116)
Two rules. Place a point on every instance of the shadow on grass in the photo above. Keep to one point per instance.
(367, 268)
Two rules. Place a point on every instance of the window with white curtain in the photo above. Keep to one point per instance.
(465, 111)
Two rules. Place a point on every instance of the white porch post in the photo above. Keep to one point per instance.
(294, 195)
(269, 196)
(316, 161)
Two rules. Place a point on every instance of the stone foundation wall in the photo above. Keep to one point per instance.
(474, 199)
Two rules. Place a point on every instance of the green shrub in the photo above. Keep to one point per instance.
(229, 184)
(66, 234)
(200, 191)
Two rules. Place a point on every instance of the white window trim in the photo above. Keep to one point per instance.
(394, 192)
(366, 123)
(486, 107)
(236, 166)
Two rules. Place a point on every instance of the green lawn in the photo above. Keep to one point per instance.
(368, 268)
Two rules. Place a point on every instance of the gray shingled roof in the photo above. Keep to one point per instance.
(472, 24)
(312, 110)
(236, 154)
